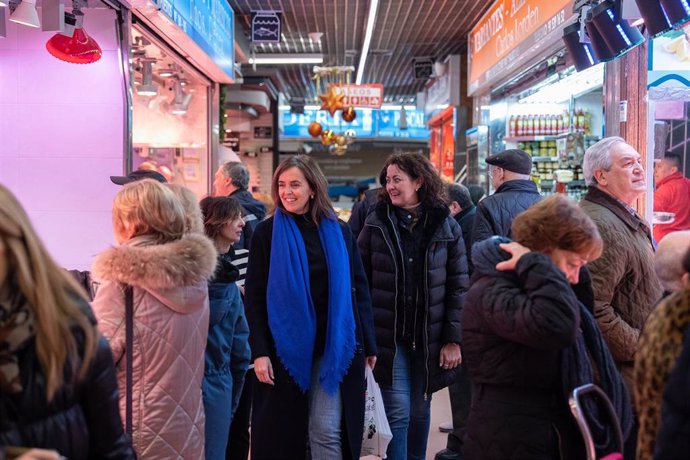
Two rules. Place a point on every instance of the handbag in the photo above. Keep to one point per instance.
(377, 433)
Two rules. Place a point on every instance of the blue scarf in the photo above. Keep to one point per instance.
(291, 315)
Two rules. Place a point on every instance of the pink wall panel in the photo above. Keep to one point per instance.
(62, 136)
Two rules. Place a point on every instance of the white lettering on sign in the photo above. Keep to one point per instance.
(363, 96)
(488, 30)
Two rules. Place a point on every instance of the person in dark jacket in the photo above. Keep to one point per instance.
(414, 256)
(673, 440)
(311, 324)
(58, 389)
(463, 210)
(515, 192)
(227, 349)
(361, 209)
(232, 179)
(529, 342)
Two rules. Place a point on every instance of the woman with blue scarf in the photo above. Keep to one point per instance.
(310, 321)
(528, 341)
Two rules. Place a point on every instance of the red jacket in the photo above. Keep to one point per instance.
(672, 195)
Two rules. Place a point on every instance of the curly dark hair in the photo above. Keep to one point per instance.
(432, 193)
(557, 222)
(217, 211)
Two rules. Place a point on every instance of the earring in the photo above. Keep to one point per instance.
(312, 197)
(417, 189)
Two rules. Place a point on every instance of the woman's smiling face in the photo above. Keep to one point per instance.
(294, 191)
(401, 188)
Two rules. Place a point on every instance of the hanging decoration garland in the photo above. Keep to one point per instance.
(326, 79)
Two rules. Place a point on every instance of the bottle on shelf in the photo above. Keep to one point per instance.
(519, 125)
(511, 126)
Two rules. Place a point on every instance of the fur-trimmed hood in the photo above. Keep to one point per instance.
(165, 270)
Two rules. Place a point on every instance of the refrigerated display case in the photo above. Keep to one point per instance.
(477, 151)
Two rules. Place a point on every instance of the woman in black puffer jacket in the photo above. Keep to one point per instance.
(528, 341)
(414, 256)
(58, 389)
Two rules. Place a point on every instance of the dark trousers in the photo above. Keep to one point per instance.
(238, 437)
(460, 393)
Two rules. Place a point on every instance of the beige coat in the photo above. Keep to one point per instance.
(625, 284)
(170, 329)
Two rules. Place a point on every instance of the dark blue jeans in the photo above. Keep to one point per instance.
(409, 415)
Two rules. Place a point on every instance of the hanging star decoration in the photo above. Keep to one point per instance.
(332, 101)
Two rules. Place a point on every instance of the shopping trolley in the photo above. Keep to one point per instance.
(578, 413)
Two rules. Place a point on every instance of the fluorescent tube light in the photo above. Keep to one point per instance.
(371, 19)
(297, 58)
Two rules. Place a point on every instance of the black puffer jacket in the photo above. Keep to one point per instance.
(495, 213)
(515, 325)
(83, 419)
(253, 212)
(445, 284)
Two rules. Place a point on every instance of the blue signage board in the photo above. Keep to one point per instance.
(209, 23)
(369, 123)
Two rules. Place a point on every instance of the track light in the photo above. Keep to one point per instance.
(147, 87)
(655, 18)
(167, 72)
(26, 14)
(582, 53)
(678, 11)
(181, 101)
(617, 35)
(74, 45)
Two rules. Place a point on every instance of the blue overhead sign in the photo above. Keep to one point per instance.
(209, 23)
(369, 123)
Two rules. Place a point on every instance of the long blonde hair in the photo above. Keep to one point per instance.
(50, 292)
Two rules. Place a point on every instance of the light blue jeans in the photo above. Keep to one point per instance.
(409, 415)
(325, 417)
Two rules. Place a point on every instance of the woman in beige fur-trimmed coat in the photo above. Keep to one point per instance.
(168, 270)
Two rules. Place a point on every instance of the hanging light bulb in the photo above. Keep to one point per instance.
(74, 45)
(148, 87)
(26, 14)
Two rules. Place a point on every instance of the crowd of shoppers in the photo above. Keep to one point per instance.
(511, 301)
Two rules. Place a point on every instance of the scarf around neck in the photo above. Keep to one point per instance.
(16, 329)
(291, 315)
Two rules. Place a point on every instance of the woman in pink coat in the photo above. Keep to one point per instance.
(168, 270)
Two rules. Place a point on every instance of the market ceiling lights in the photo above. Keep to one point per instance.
(582, 53)
(181, 101)
(611, 36)
(26, 14)
(655, 18)
(74, 45)
(147, 87)
(678, 11)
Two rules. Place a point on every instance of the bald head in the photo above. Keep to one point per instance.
(668, 260)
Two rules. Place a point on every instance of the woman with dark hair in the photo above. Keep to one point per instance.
(58, 390)
(414, 257)
(529, 342)
(227, 349)
(311, 326)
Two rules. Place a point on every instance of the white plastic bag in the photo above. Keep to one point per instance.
(377, 432)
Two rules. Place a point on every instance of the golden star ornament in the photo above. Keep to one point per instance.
(332, 101)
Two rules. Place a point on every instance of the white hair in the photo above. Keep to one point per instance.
(598, 156)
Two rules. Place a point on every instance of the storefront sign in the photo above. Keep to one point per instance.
(266, 27)
(364, 96)
(508, 34)
(369, 123)
(209, 23)
(668, 76)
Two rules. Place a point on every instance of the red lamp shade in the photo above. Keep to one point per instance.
(77, 49)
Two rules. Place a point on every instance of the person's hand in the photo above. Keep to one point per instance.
(242, 290)
(40, 454)
(516, 250)
(264, 370)
(370, 361)
(450, 356)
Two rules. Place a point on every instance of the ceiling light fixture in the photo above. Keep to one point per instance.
(147, 87)
(181, 101)
(371, 19)
(678, 11)
(582, 53)
(167, 72)
(655, 18)
(26, 14)
(618, 36)
(296, 58)
(74, 45)
(572, 85)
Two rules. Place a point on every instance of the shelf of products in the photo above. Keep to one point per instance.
(544, 125)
